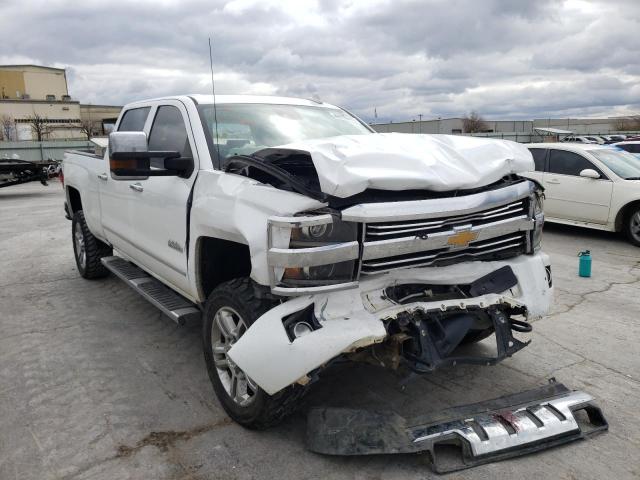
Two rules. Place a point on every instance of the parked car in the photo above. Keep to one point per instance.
(594, 186)
(631, 146)
(616, 138)
(609, 139)
(577, 139)
(298, 235)
(596, 139)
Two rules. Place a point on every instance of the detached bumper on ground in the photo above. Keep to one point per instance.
(464, 436)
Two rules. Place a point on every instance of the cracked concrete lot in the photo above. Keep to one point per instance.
(96, 384)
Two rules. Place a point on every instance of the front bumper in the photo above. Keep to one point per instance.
(351, 319)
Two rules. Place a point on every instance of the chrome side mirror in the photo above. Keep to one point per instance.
(127, 155)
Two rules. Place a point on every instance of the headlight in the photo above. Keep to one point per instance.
(321, 254)
(537, 202)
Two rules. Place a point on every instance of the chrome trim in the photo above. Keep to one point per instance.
(529, 424)
(438, 207)
(396, 229)
(314, 256)
(412, 244)
(431, 259)
(296, 222)
(291, 291)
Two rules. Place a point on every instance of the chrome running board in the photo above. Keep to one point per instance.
(464, 436)
(174, 306)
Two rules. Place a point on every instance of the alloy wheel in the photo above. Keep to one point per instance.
(78, 239)
(635, 226)
(226, 329)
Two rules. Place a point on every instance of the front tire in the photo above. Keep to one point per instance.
(87, 249)
(632, 226)
(229, 311)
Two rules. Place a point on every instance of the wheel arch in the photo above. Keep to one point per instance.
(218, 261)
(624, 213)
(74, 199)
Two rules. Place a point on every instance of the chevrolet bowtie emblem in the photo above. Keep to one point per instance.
(462, 239)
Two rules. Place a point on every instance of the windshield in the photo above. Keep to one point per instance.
(246, 128)
(624, 164)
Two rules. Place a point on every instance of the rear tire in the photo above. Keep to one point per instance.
(87, 249)
(229, 311)
(632, 226)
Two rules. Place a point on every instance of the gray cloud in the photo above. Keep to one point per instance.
(513, 59)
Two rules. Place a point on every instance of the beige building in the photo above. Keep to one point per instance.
(35, 102)
(101, 118)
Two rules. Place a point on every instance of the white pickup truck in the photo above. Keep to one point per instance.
(300, 236)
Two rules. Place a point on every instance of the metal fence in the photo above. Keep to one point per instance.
(520, 137)
(536, 137)
(46, 150)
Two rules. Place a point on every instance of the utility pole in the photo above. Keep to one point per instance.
(420, 125)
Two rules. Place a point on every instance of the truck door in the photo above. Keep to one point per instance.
(570, 196)
(116, 194)
(159, 208)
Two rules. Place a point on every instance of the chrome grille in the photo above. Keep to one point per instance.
(500, 247)
(500, 231)
(389, 230)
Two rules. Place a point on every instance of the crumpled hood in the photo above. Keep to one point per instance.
(350, 164)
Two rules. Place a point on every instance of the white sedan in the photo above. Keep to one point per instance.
(595, 186)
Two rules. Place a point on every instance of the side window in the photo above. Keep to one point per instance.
(134, 120)
(631, 147)
(539, 155)
(568, 163)
(168, 133)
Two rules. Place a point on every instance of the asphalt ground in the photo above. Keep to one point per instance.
(96, 384)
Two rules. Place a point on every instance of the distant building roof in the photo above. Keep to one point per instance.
(553, 131)
(32, 66)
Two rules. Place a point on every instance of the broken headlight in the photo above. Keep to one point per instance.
(321, 254)
(537, 210)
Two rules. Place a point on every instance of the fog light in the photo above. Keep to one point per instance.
(300, 329)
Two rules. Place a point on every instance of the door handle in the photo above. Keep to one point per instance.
(553, 182)
(136, 186)
(102, 176)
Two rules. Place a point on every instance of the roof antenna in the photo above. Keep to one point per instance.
(215, 111)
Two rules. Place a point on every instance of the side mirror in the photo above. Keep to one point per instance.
(589, 173)
(130, 158)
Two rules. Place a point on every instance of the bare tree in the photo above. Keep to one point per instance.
(39, 125)
(6, 127)
(628, 123)
(89, 128)
(473, 123)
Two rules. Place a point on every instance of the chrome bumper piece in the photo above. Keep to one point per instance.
(485, 432)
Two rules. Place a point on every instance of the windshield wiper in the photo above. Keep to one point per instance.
(632, 178)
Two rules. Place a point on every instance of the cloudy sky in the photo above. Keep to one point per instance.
(503, 58)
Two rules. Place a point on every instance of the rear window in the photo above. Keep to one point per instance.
(133, 120)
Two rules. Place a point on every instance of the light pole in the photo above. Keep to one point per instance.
(420, 124)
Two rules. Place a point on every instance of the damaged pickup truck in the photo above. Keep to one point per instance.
(300, 236)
